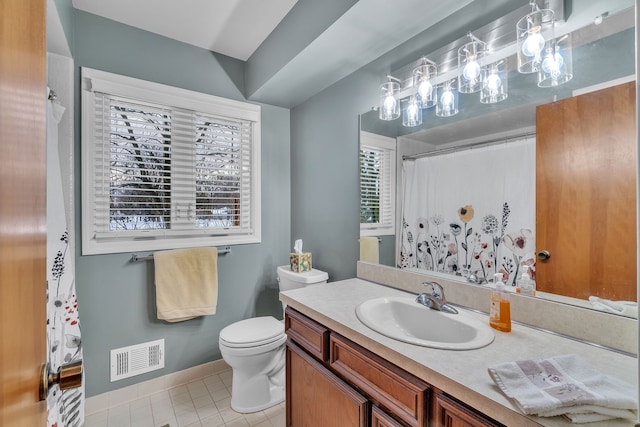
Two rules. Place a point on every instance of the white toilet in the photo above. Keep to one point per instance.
(255, 350)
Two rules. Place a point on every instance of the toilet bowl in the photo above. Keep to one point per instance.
(255, 350)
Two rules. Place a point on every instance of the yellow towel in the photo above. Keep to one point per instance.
(369, 249)
(186, 283)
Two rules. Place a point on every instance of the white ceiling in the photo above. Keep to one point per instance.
(235, 28)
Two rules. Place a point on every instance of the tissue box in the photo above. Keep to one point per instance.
(300, 262)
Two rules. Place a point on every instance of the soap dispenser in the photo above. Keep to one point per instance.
(526, 285)
(500, 313)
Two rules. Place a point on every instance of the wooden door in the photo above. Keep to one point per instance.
(22, 211)
(586, 194)
(316, 397)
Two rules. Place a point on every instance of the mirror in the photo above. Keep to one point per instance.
(603, 55)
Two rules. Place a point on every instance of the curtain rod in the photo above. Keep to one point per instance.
(470, 146)
(136, 258)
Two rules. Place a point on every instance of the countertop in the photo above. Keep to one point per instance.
(462, 374)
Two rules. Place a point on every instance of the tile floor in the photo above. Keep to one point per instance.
(201, 403)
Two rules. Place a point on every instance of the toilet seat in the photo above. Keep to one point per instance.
(252, 332)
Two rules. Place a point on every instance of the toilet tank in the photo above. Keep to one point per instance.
(288, 279)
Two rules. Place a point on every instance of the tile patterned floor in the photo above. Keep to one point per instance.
(202, 403)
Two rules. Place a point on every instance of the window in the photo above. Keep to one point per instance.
(166, 167)
(377, 185)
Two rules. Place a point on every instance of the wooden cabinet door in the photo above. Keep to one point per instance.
(317, 398)
(381, 419)
(449, 413)
(586, 194)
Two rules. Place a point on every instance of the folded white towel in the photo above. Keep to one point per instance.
(625, 308)
(590, 413)
(563, 385)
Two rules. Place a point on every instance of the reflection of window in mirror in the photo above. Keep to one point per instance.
(377, 185)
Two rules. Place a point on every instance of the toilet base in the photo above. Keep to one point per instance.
(257, 394)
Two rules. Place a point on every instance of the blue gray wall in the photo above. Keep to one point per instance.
(325, 190)
(116, 296)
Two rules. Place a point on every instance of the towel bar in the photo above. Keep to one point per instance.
(136, 258)
(379, 240)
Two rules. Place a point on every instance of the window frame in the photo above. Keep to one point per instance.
(387, 227)
(167, 96)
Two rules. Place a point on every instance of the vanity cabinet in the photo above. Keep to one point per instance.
(332, 381)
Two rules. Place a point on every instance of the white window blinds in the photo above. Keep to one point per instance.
(377, 184)
(161, 176)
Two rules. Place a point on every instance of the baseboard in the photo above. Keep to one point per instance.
(123, 395)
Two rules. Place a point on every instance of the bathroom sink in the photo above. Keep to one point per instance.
(403, 319)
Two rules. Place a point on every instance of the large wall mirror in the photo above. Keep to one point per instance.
(603, 56)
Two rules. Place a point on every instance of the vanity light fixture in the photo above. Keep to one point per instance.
(532, 31)
(483, 64)
(389, 101)
(470, 71)
(494, 82)
(422, 75)
(557, 65)
(412, 113)
(447, 105)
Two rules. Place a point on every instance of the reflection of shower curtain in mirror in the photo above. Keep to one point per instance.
(471, 211)
(65, 409)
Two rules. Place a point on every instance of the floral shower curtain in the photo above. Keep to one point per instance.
(471, 212)
(65, 408)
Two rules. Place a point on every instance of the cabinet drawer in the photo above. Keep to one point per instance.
(307, 333)
(449, 412)
(385, 384)
(381, 419)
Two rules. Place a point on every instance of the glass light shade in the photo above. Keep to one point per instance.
(424, 91)
(533, 30)
(494, 82)
(557, 64)
(447, 105)
(411, 112)
(389, 103)
(469, 69)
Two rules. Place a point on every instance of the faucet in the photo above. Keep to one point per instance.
(475, 279)
(435, 300)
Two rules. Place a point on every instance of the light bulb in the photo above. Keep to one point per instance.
(389, 104)
(412, 110)
(424, 89)
(534, 43)
(447, 99)
(552, 64)
(471, 71)
(493, 83)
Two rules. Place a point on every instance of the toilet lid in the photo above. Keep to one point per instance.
(252, 332)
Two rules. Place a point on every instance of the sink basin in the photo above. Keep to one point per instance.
(403, 319)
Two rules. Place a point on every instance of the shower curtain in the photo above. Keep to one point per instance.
(66, 408)
(471, 212)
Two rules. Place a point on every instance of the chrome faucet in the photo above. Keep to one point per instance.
(435, 299)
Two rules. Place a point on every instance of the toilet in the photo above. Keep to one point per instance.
(255, 350)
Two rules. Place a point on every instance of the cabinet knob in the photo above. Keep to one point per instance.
(544, 255)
